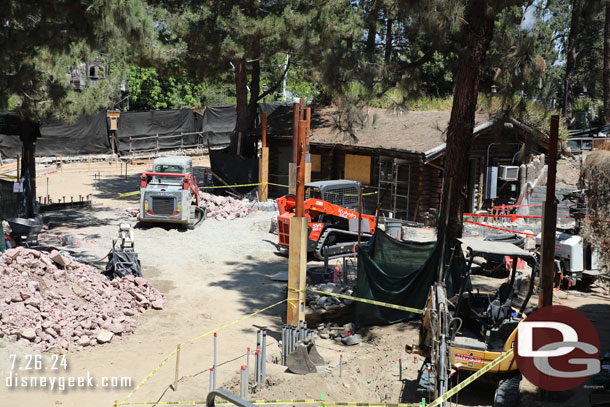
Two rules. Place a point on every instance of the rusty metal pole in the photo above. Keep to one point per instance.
(549, 219)
(300, 195)
(359, 215)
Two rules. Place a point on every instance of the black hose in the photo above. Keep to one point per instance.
(204, 212)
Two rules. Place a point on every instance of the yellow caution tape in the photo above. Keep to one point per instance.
(365, 194)
(232, 323)
(129, 194)
(381, 304)
(156, 369)
(270, 402)
(471, 379)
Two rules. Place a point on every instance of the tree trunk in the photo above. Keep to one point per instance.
(388, 42)
(241, 94)
(371, 33)
(255, 83)
(477, 35)
(571, 55)
(607, 66)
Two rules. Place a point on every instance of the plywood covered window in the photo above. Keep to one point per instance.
(316, 162)
(358, 168)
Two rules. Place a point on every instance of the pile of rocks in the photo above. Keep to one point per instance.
(223, 207)
(344, 334)
(322, 307)
(48, 300)
(218, 207)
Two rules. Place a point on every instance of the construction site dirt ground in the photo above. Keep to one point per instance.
(214, 275)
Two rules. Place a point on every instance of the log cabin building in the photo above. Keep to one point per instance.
(399, 158)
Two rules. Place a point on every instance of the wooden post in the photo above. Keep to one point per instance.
(292, 178)
(239, 143)
(263, 164)
(177, 366)
(297, 266)
(263, 175)
(295, 132)
(297, 262)
(549, 220)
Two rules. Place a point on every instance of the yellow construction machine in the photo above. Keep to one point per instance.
(470, 330)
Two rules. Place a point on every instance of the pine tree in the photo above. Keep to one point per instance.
(241, 37)
(40, 41)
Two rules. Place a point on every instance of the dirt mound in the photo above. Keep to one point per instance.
(51, 301)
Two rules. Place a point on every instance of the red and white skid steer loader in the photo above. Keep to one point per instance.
(169, 193)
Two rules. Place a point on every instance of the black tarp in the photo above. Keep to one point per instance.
(218, 123)
(401, 273)
(88, 135)
(10, 132)
(143, 127)
(233, 169)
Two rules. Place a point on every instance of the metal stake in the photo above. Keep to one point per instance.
(215, 365)
(400, 369)
(248, 366)
(284, 346)
(242, 389)
(256, 367)
(340, 365)
(211, 379)
(264, 357)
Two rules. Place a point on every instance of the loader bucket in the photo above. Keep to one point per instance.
(304, 359)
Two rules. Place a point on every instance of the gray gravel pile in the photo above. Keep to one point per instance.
(48, 300)
(322, 307)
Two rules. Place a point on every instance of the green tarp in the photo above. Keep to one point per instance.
(400, 273)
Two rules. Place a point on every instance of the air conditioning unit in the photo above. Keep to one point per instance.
(508, 173)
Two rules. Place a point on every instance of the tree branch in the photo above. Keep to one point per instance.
(277, 84)
(424, 58)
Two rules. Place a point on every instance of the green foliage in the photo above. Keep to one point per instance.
(41, 41)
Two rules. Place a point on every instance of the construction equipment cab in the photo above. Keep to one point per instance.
(331, 208)
(169, 193)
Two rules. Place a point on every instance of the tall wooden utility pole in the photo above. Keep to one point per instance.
(549, 219)
(297, 255)
(263, 164)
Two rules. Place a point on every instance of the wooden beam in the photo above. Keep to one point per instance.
(297, 266)
(263, 175)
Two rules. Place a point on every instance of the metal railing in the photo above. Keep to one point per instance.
(200, 142)
(230, 397)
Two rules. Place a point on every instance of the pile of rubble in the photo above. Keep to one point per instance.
(323, 307)
(218, 207)
(344, 334)
(222, 207)
(48, 300)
